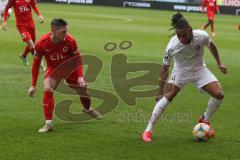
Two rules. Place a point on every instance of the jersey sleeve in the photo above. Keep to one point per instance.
(5, 14)
(36, 64)
(34, 7)
(168, 54)
(206, 38)
(75, 51)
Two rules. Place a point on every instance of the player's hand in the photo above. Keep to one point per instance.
(4, 26)
(41, 19)
(31, 91)
(222, 68)
(159, 96)
(81, 82)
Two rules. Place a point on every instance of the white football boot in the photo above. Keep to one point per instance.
(93, 113)
(46, 128)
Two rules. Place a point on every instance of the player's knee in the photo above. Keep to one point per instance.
(48, 89)
(170, 96)
(219, 95)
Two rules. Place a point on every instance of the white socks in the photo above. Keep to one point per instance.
(158, 109)
(213, 105)
(48, 121)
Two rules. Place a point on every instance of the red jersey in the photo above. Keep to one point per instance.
(211, 5)
(55, 54)
(23, 12)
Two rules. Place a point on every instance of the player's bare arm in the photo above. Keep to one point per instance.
(216, 56)
(40, 17)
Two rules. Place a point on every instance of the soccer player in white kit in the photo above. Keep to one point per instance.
(3, 4)
(187, 49)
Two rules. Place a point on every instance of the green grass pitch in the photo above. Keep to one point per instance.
(117, 135)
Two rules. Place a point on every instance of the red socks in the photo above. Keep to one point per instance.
(26, 51)
(48, 105)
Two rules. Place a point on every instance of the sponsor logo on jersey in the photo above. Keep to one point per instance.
(65, 49)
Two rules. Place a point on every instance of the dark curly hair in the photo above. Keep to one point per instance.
(178, 22)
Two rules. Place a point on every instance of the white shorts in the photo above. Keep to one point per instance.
(199, 78)
(9, 11)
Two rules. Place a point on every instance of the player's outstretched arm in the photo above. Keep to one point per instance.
(216, 56)
(40, 17)
(35, 73)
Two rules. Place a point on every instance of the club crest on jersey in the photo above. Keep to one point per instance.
(65, 49)
(47, 51)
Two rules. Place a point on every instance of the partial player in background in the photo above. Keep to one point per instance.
(3, 4)
(187, 49)
(211, 8)
(25, 24)
(59, 49)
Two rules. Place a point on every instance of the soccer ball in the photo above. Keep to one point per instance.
(201, 132)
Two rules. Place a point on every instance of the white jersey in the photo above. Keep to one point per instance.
(188, 57)
(3, 4)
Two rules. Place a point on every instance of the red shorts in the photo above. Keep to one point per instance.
(70, 79)
(211, 14)
(27, 33)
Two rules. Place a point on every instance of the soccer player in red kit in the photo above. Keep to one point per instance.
(24, 23)
(211, 8)
(58, 48)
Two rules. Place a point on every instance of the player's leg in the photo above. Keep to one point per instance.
(26, 37)
(48, 103)
(209, 83)
(29, 37)
(29, 48)
(212, 28)
(215, 90)
(85, 98)
(206, 25)
(177, 80)
(211, 16)
(159, 109)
